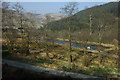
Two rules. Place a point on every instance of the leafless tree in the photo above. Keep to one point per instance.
(102, 26)
(8, 30)
(69, 10)
(23, 25)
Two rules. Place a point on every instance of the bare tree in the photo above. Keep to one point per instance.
(69, 10)
(8, 30)
(90, 24)
(22, 24)
(102, 26)
(19, 14)
(47, 34)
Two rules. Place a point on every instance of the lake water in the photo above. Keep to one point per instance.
(77, 45)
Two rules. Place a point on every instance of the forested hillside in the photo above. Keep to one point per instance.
(107, 14)
(103, 19)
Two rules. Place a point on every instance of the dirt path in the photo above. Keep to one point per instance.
(49, 71)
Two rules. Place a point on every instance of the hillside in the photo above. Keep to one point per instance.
(42, 18)
(106, 14)
(11, 16)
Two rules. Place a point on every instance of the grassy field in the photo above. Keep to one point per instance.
(57, 57)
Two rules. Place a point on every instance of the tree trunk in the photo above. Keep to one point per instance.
(47, 54)
(27, 52)
(70, 45)
(101, 59)
(71, 58)
(90, 25)
(11, 47)
(27, 45)
(70, 48)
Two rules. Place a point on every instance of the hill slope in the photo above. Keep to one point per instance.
(106, 14)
